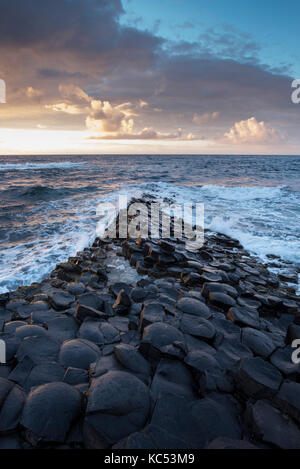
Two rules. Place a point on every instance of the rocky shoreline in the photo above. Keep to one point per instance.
(193, 351)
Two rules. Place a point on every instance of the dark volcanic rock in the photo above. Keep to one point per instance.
(118, 405)
(39, 349)
(12, 399)
(122, 303)
(61, 300)
(92, 300)
(62, 328)
(259, 342)
(258, 378)
(151, 313)
(228, 443)
(210, 375)
(195, 423)
(219, 288)
(244, 317)
(191, 279)
(162, 339)
(172, 377)
(76, 288)
(82, 312)
(271, 426)
(115, 288)
(105, 364)
(222, 301)
(30, 330)
(166, 246)
(48, 372)
(230, 354)
(293, 333)
(49, 412)
(194, 307)
(282, 359)
(78, 353)
(198, 327)
(288, 400)
(131, 359)
(75, 376)
(139, 294)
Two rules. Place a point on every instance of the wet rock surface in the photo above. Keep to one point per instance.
(194, 352)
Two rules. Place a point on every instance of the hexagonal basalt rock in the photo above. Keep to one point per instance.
(78, 353)
(131, 359)
(151, 313)
(173, 377)
(61, 300)
(210, 375)
(39, 348)
(288, 399)
(219, 288)
(259, 342)
(244, 317)
(221, 300)
(198, 327)
(91, 300)
(229, 443)
(162, 339)
(118, 405)
(258, 378)
(29, 331)
(271, 426)
(282, 359)
(49, 412)
(12, 399)
(194, 307)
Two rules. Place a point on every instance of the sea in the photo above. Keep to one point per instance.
(48, 204)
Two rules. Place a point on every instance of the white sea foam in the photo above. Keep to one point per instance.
(242, 193)
(263, 219)
(32, 166)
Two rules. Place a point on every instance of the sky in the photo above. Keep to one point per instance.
(133, 76)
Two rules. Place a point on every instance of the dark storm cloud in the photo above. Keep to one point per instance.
(62, 74)
(85, 28)
(46, 43)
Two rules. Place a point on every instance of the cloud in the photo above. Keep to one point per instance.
(65, 107)
(252, 132)
(105, 117)
(205, 118)
(111, 121)
(75, 52)
(148, 133)
(143, 103)
(33, 93)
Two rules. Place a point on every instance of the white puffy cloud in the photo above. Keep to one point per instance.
(105, 117)
(251, 131)
(65, 107)
(205, 118)
(148, 133)
(33, 92)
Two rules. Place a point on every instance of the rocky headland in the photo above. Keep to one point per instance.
(143, 344)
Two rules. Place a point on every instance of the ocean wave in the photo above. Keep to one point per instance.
(259, 244)
(39, 166)
(242, 193)
(197, 193)
(39, 192)
(256, 215)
